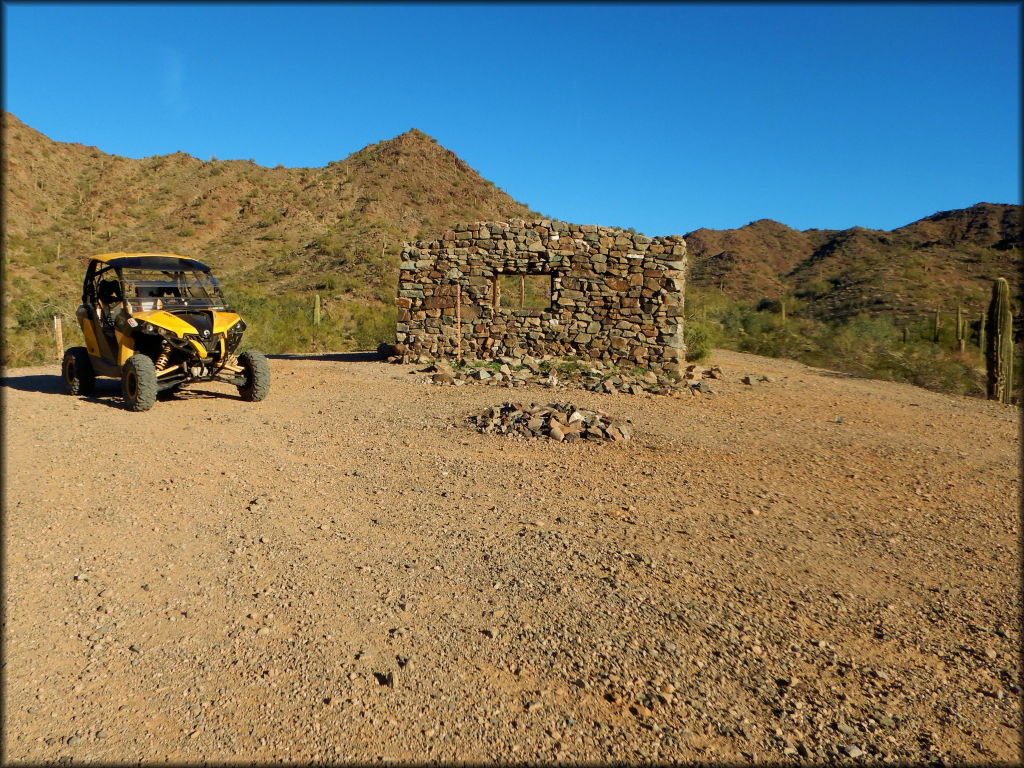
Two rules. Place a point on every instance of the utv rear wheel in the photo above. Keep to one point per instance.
(138, 383)
(79, 377)
(256, 372)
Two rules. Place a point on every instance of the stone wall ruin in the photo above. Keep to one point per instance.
(597, 294)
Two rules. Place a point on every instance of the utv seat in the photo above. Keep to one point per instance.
(109, 295)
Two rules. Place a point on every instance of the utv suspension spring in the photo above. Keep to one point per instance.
(165, 355)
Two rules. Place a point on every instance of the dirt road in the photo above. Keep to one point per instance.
(817, 567)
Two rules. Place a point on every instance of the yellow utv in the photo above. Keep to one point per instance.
(158, 322)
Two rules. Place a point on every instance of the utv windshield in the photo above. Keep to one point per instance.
(146, 289)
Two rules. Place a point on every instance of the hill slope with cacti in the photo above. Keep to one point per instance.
(277, 235)
(280, 237)
(951, 256)
(889, 304)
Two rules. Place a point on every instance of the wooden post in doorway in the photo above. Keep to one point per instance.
(58, 332)
(458, 321)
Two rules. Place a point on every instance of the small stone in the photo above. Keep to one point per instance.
(852, 751)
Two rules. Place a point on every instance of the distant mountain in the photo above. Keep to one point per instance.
(946, 258)
(338, 230)
(289, 227)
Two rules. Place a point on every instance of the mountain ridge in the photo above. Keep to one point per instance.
(338, 230)
(957, 251)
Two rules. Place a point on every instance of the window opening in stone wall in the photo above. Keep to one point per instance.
(522, 291)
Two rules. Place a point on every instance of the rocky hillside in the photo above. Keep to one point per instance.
(291, 227)
(941, 260)
(279, 235)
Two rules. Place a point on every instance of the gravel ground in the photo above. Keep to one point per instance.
(815, 568)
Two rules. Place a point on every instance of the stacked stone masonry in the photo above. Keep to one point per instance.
(615, 296)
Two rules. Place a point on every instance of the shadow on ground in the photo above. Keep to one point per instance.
(335, 357)
(107, 391)
(841, 374)
(47, 384)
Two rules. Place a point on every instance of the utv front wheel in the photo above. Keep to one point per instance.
(256, 372)
(79, 377)
(138, 383)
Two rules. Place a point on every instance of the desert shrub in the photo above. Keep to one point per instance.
(698, 340)
(283, 323)
(268, 218)
(373, 325)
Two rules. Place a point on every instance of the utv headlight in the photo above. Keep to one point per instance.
(150, 328)
(238, 327)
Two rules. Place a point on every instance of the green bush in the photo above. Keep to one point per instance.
(698, 340)
(283, 323)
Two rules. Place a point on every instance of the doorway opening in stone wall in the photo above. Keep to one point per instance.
(522, 291)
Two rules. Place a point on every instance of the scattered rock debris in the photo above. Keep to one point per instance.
(555, 373)
(563, 422)
(745, 581)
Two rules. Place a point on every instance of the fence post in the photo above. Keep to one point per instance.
(458, 321)
(58, 332)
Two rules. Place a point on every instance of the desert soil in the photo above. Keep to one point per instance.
(818, 567)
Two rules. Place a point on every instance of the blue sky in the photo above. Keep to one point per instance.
(662, 117)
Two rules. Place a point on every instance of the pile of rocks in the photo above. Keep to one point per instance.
(562, 422)
(517, 372)
(552, 372)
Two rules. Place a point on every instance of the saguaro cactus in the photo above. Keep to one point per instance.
(935, 332)
(960, 329)
(999, 351)
(981, 333)
(316, 310)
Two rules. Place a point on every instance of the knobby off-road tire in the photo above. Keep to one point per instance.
(79, 377)
(256, 372)
(138, 383)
